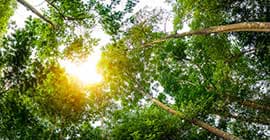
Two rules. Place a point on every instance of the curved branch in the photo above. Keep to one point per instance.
(199, 123)
(238, 27)
(211, 129)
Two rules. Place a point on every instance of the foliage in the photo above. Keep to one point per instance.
(148, 123)
(221, 79)
(6, 11)
(80, 48)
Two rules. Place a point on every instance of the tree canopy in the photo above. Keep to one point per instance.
(211, 82)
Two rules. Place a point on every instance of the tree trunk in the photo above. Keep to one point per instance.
(35, 11)
(211, 129)
(238, 27)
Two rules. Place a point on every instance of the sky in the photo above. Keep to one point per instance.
(86, 71)
(22, 13)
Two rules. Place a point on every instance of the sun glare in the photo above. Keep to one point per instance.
(86, 71)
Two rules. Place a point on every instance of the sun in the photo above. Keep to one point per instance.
(85, 71)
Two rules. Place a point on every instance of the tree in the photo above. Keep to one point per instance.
(128, 76)
(209, 83)
(191, 70)
(38, 99)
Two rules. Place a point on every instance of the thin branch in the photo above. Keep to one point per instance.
(35, 11)
(247, 103)
(62, 14)
(57, 9)
(256, 119)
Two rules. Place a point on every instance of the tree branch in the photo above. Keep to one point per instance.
(35, 11)
(258, 119)
(247, 103)
(211, 129)
(238, 27)
(62, 14)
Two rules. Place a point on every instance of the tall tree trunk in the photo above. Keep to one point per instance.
(35, 11)
(211, 129)
(238, 27)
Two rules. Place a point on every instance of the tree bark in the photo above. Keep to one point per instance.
(238, 27)
(211, 129)
(35, 11)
